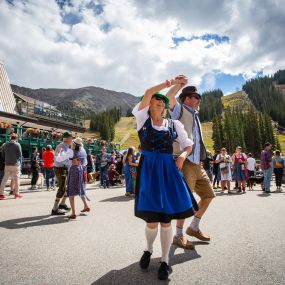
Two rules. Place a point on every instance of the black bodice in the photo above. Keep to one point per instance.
(154, 140)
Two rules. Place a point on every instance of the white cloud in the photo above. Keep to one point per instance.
(137, 50)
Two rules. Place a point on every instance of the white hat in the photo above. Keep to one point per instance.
(78, 141)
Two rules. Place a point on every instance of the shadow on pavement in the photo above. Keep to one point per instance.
(268, 194)
(228, 195)
(264, 195)
(33, 222)
(132, 274)
(119, 199)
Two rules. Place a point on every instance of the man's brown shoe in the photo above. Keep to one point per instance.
(199, 235)
(183, 242)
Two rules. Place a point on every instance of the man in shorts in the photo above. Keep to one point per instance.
(186, 111)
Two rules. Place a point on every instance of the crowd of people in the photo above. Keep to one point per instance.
(170, 164)
(223, 168)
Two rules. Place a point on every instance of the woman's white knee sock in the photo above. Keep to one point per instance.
(166, 240)
(150, 235)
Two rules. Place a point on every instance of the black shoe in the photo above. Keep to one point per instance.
(145, 260)
(57, 213)
(11, 193)
(163, 271)
(64, 207)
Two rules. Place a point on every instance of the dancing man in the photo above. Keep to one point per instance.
(186, 111)
(61, 171)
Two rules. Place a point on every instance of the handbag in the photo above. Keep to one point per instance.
(224, 167)
(224, 170)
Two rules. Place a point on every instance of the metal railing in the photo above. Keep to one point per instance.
(44, 138)
(33, 109)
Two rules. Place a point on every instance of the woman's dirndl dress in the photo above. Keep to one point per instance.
(225, 169)
(161, 191)
(77, 176)
(239, 167)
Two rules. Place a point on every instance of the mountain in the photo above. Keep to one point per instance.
(83, 100)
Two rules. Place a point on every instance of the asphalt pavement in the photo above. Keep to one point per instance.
(103, 247)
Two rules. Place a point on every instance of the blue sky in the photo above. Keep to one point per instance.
(131, 45)
(227, 83)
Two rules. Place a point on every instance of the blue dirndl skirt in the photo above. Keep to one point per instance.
(76, 185)
(161, 191)
(239, 174)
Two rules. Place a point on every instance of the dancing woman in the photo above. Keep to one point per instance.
(77, 174)
(161, 192)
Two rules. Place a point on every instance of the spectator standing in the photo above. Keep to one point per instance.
(251, 166)
(239, 160)
(48, 158)
(130, 170)
(266, 166)
(90, 166)
(216, 171)
(35, 168)
(12, 153)
(113, 158)
(104, 162)
(119, 164)
(278, 168)
(224, 161)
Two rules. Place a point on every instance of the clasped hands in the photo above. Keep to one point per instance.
(181, 80)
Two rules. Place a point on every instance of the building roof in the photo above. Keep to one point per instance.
(24, 98)
(39, 122)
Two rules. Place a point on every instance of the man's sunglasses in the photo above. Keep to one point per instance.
(196, 97)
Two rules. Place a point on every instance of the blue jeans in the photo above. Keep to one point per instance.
(49, 175)
(267, 178)
(104, 179)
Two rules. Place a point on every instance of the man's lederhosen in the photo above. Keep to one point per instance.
(61, 176)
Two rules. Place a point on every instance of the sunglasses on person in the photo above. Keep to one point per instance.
(159, 99)
(194, 96)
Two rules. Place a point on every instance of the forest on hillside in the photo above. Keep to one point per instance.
(211, 105)
(104, 123)
(266, 97)
(250, 130)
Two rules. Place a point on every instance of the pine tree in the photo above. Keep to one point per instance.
(217, 135)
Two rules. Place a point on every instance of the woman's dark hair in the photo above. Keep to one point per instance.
(267, 144)
(277, 152)
(130, 151)
(34, 148)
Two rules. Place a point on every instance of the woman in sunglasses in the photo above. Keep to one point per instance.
(161, 192)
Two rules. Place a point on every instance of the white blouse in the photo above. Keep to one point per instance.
(142, 116)
(64, 155)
